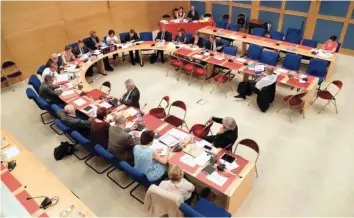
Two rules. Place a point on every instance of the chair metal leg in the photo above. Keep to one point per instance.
(42, 114)
(217, 85)
(131, 194)
(335, 104)
(324, 107)
(314, 100)
(98, 172)
(255, 167)
(81, 158)
(52, 127)
(122, 187)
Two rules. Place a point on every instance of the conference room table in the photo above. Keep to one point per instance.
(279, 45)
(173, 26)
(31, 179)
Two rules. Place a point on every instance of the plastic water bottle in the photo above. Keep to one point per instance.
(140, 119)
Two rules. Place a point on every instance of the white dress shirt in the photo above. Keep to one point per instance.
(266, 81)
(110, 40)
(47, 71)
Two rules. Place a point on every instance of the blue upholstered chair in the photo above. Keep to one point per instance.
(204, 208)
(79, 139)
(233, 27)
(292, 62)
(293, 35)
(204, 40)
(269, 57)
(259, 31)
(34, 82)
(318, 69)
(339, 45)
(65, 130)
(221, 24)
(276, 35)
(146, 36)
(226, 42)
(254, 52)
(43, 105)
(189, 36)
(41, 69)
(230, 51)
(122, 36)
(73, 45)
(309, 43)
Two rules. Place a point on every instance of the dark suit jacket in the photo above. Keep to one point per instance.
(73, 122)
(49, 62)
(76, 50)
(127, 38)
(195, 17)
(133, 99)
(199, 43)
(182, 39)
(121, 144)
(48, 94)
(208, 45)
(224, 139)
(168, 36)
(91, 44)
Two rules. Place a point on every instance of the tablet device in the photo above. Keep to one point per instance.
(228, 158)
(207, 147)
(88, 108)
(209, 170)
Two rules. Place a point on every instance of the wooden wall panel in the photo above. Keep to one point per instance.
(75, 10)
(40, 43)
(5, 53)
(80, 28)
(19, 16)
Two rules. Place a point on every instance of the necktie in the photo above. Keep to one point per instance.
(94, 40)
(81, 51)
(162, 36)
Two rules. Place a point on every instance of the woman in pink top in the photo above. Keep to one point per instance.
(331, 44)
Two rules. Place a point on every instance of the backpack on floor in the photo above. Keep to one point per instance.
(64, 149)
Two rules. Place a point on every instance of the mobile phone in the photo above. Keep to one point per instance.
(207, 147)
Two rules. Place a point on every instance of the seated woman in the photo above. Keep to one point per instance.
(179, 185)
(112, 39)
(331, 44)
(99, 128)
(67, 55)
(180, 14)
(147, 160)
(181, 36)
(196, 40)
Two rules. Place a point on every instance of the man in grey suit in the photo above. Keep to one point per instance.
(48, 91)
(68, 117)
(132, 96)
(80, 49)
(120, 142)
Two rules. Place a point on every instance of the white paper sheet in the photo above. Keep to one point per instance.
(66, 93)
(202, 159)
(216, 178)
(12, 152)
(79, 102)
(62, 77)
(230, 166)
(179, 134)
(241, 60)
(83, 57)
(202, 143)
(302, 81)
(219, 57)
(130, 112)
(105, 104)
(198, 56)
(187, 159)
(281, 70)
(168, 140)
(158, 145)
(69, 85)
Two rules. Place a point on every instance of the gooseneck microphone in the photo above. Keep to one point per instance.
(47, 202)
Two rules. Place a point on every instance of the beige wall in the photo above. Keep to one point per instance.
(31, 31)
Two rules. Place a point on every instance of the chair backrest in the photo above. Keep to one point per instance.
(7, 64)
(207, 15)
(269, 57)
(248, 143)
(122, 36)
(338, 83)
(165, 99)
(221, 24)
(166, 16)
(78, 138)
(276, 35)
(179, 104)
(31, 94)
(62, 126)
(230, 51)
(41, 69)
(188, 36)
(258, 31)
(317, 68)
(35, 82)
(189, 211)
(241, 20)
(293, 35)
(55, 108)
(106, 84)
(338, 47)
(225, 17)
(226, 42)
(233, 27)
(146, 36)
(135, 174)
(310, 43)
(254, 52)
(86, 40)
(109, 157)
(74, 45)
(292, 62)
(204, 40)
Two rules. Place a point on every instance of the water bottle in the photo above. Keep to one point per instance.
(140, 119)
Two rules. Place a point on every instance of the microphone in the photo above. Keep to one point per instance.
(36, 197)
(47, 202)
(10, 164)
(143, 107)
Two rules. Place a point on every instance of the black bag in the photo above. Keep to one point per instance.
(244, 88)
(65, 148)
(153, 58)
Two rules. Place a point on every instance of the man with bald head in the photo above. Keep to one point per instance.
(54, 58)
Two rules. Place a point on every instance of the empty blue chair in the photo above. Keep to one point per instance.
(137, 176)
(88, 146)
(292, 62)
(104, 40)
(34, 82)
(317, 68)
(309, 43)
(146, 36)
(230, 51)
(226, 42)
(53, 110)
(339, 45)
(43, 105)
(65, 130)
(41, 69)
(276, 35)
(221, 24)
(79, 139)
(293, 35)
(122, 36)
(203, 40)
(73, 45)
(204, 208)
(258, 31)
(254, 52)
(269, 57)
(233, 27)
(189, 36)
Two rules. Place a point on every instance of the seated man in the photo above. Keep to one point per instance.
(54, 58)
(69, 118)
(120, 142)
(266, 79)
(51, 70)
(162, 35)
(193, 14)
(227, 134)
(132, 96)
(213, 44)
(80, 49)
(48, 91)
(133, 37)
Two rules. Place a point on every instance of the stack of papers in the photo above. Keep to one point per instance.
(168, 140)
(281, 70)
(198, 56)
(219, 57)
(178, 134)
(216, 178)
(202, 159)
(11, 152)
(105, 104)
(79, 102)
(130, 112)
(156, 144)
(230, 166)
(241, 60)
(203, 143)
(66, 93)
(62, 78)
(164, 21)
(188, 160)
(84, 57)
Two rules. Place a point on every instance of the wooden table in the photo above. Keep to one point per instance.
(245, 39)
(30, 179)
(189, 27)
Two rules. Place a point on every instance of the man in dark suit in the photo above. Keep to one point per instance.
(93, 43)
(227, 134)
(162, 35)
(133, 37)
(80, 49)
(193, 14)
(132, 96)
(48, 92)
(54, 58)
(213, 44)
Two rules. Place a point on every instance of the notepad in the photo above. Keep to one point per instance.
(11, 152)
(156, 144)
(62, 77)
(241, 60)
(178, 134)
(79, 102)
(168, 140)
(188, 160)
(281, 70)
(66, 93)
(219, 57)
(198, 56)
(130, 112)
(202, 159)
(105, 104)
(216, 178)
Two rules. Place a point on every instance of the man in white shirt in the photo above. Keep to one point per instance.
(267, 79)
(51, 70)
